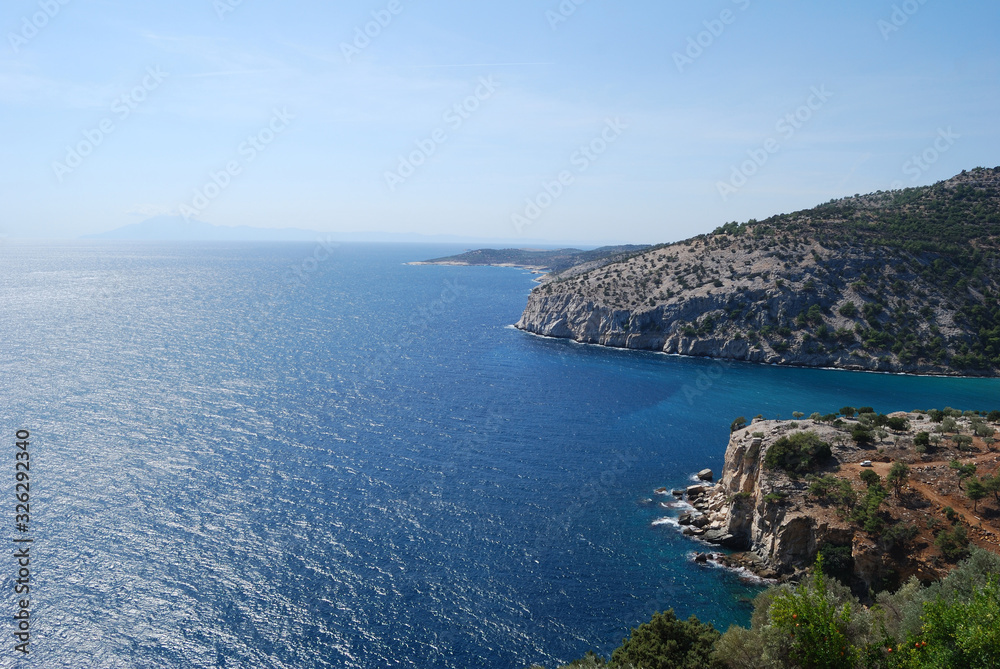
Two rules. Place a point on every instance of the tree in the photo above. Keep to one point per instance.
(975, 491)
(898, 424)
(953, 543)
(962, 471)
(799, 453)
(963, 442)
(870, 478)
(992, 484)
(738, 424)
(957, 632)
(666, 642)
(797, 414)
(899, 476)
(862, 436)
(816, 624)
(922, 439)
(848, 412)
(844, 494)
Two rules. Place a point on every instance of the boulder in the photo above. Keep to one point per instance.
(705, 475)
(695, 490)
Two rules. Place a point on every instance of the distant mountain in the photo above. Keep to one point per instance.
(177, 229)
(898, 281)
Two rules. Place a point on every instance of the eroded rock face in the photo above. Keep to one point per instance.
(762, 511)
(742, 298)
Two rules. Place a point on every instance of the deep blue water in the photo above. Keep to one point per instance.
(366, 468)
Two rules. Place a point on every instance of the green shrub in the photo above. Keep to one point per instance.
(666, 642)
(898, 536)
(953, 543)
(961, 633)
(862, 436)
(798, 453)
(898, 424)
(870, 478)
(838, 561)
(817, 625)
(983, 430)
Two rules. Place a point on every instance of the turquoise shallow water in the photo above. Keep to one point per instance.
(245, 456)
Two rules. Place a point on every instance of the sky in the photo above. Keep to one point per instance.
(576, 121)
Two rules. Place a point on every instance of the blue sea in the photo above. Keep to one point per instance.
(302, 456)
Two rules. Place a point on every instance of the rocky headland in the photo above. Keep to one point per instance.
(900, 281)
(792, 490)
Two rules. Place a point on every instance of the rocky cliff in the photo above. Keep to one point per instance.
(781, 520)
(907, 281)
(765, 512)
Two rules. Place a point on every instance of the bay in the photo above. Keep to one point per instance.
(302, 456)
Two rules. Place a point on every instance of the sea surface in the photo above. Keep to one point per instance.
(302, 456)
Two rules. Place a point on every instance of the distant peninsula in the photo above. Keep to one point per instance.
(904, 281)
(564, 262)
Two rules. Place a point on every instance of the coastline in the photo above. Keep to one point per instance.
(755, 363)
(535, 269)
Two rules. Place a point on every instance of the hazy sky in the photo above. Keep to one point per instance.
(585, 121)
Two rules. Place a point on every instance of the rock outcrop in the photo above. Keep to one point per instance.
(757, 510)
(778, 522)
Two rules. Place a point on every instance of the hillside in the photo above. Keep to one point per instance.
(902, 281)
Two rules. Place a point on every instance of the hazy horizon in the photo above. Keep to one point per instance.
(526, 122)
